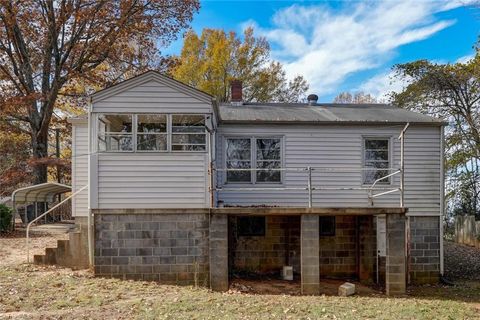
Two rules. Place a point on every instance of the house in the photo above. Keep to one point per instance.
(183, 189)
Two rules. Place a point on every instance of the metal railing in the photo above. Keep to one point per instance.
(309, 183)
(44, 214)
(310, 188)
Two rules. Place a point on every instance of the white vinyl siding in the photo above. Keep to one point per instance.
(150, 96)
(341, 146)
(80, 168)
(148, 180)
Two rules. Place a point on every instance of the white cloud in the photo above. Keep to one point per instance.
(382, 84)
(327, 45)
(466, 58)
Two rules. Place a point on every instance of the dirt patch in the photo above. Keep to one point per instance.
(48, 292)
(461, 261)
(13, 247)
(328, 287)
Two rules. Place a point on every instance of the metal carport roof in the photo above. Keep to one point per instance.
(44, 192)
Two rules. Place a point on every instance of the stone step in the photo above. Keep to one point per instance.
(51, 256)
(39, 259)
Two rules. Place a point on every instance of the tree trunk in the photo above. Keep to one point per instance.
(40, 153)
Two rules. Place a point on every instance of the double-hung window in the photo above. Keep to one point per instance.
(152, 132)
(115, 132)
(188, 132)
(376, 159)
(262, 154)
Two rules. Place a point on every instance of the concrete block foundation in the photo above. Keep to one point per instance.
(142, 245)
(196, 247)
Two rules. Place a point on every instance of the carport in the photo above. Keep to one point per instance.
(38, 194)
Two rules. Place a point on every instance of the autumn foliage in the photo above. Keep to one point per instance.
(52, 53)
(210, 61)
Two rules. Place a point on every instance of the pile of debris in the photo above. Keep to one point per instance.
(461, 261)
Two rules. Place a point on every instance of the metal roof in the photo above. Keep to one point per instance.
(300, 113)
(44, 192)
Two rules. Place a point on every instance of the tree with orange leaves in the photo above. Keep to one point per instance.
(48, 46)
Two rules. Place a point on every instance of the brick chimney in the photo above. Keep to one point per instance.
(236, 94)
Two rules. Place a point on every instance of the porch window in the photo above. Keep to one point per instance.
(239, 157)
(152, 132)
(115, 132)
(188, 133)
(376, 159)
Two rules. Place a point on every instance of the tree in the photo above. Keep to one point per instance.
(14, 160)
(47, 46)
(359, 97)
(211, 61)
(450, 91)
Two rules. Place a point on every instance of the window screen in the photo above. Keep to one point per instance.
(115, 132)
(251, 226)
(188, 133)
(376, 159)
(238, 155)
(152, 132)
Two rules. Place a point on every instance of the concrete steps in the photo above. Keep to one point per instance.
(71, 253)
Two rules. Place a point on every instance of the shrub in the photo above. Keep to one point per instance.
(5, 218)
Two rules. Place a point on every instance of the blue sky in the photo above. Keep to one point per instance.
(349, 45)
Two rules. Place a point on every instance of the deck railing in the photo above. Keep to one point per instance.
(373, 190)
(310, 187)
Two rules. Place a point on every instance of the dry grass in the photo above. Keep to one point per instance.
(32, 292)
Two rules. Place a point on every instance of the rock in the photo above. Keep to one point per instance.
(346, 289)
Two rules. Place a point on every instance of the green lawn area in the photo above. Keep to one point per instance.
(29, 292)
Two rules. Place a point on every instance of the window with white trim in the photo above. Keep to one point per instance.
(152, 132)
(115, 132)
(268, 158)
(188, 132)
(377, 159)
(238, 155)
(262, 153)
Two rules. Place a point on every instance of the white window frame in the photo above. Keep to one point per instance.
(132, 133)
(253, 159)
(385, 182)
(171, 133)
(152, 133)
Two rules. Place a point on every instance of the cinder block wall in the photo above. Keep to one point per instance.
(338, 253)
(266, 254)
(424, 250)
(170, 248)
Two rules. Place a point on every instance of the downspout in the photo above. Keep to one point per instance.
(89, 217)
(442, 195)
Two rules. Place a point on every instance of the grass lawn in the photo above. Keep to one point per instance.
(28, 291)
(42, 292)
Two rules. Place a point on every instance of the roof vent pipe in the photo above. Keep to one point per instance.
(236, 93)
(312, 99)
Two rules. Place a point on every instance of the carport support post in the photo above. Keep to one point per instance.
(310, 254)
(395, 276)
(219, 252)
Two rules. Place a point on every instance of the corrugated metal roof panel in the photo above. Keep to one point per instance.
(322, 113)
